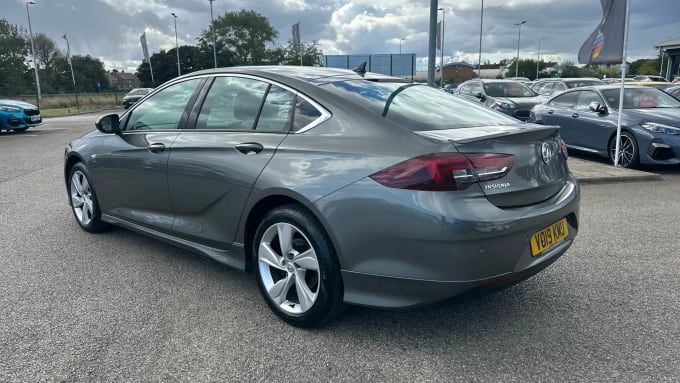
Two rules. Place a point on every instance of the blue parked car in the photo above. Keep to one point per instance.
(18, 115)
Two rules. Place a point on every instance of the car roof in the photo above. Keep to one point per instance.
(312, 75)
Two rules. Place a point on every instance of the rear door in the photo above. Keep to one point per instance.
(212, 168)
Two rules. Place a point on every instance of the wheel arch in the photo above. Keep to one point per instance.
(267, 204)
(69, 163)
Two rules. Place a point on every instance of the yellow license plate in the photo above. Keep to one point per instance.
(548, 237)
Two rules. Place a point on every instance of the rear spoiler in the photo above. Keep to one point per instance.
(478, 133)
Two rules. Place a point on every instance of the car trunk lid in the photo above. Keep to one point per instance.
(539, 169)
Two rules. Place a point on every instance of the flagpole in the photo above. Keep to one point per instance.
(623, 79)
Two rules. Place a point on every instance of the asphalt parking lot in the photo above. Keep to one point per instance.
(118, 306)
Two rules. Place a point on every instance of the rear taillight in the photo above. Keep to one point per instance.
(445, 171)
(563, 149)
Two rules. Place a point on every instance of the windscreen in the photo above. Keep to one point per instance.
(640, 98)
(580, 83)
(417, 106)
(508, 89)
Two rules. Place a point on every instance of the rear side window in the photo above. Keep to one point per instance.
(305, 113)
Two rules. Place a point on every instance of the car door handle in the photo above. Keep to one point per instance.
(156, 148)
(551, 111)
(575, 115)
(249, 148)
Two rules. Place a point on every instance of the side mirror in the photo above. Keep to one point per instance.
(597, 107)
(480, 96)
(109, 123)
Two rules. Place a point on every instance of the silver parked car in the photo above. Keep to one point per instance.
(331, 187)
(506, 96)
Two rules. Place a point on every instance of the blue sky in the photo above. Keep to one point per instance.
(110, 29)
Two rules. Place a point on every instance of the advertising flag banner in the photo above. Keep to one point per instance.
(145, 50)
(605, 44)
(438, 44)
(296, 36)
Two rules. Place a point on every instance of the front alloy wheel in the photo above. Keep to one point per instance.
(84, 200)
(628, 151)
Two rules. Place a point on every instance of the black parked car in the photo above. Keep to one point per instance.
(134, 96)
(650, 126)
(507, 96)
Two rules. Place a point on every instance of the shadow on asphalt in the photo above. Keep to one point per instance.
(658, 169)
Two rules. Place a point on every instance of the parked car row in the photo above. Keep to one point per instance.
(586, 110)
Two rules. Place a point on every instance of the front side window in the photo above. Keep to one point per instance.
(164, 109)
(567, 100)
(585, 98)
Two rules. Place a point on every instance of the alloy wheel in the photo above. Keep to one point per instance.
(289, 268)
(626, 151)
(81, 198)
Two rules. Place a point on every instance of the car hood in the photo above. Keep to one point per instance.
(668, 116)
(17, 104)
(521, 101)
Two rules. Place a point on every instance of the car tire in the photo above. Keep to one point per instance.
(296, 267)
(83, 200)
(629, 157)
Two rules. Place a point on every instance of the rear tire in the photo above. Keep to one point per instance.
(629, 157)
(83, 200)
(296, 268)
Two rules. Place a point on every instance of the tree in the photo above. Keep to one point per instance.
(191, 59)
(568, 69)
(89, 72)
(527, 68)
(241, 38)
(287, 55)
(46, 51)
(12, 59)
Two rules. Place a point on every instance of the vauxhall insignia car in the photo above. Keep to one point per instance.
(331, 187)
(18, 116)
(588, 117)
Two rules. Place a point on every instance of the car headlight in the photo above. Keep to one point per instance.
(502, 105)
(10, 109)
(660, 128)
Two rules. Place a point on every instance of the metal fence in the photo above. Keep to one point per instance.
(399, 65)
(83, 101)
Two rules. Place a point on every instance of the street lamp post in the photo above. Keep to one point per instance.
(35, 62)
(441, 61)
(519, 35)
(400, 41)
(538, 57)
(481, 23)
(179, 72)
(70, 64)
(212, 26)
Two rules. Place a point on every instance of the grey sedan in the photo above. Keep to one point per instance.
(331, 188)
(650, 123)
(506, 96)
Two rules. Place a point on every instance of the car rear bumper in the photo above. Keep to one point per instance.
(404, 250)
